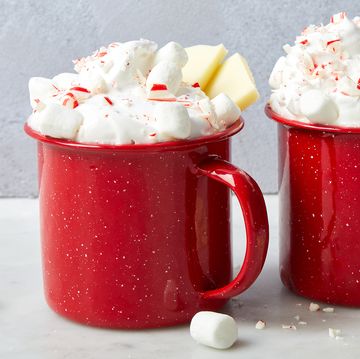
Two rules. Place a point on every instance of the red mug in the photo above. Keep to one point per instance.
(137, 236)
(319, 193)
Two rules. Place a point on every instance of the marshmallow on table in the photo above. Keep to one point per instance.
(214, 329)
(40, 88)
(58, 121)
(318, 107)
(226, 110)
(172, 52)
(165, 73)
(172, 119)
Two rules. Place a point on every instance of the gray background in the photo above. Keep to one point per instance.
(40, 38)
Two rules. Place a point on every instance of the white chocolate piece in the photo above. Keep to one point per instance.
(172, 52)
(58, 121)
(165, 73)
(40, 88)
(318, 107)
(66, 80)
(314, 307)
(328, 310)
(235, 79)
(225, 109)
(215, 330)
(202, 64)
(172, 120)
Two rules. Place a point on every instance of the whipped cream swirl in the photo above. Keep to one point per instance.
(318, 81)
(127, 93)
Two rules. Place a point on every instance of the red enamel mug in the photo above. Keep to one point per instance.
(319, 190)
(137, 236)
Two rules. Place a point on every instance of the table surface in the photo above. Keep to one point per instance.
(29, 329)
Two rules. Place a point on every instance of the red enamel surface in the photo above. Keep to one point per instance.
(319, 177)
(138, 236)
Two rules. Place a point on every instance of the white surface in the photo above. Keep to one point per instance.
(28, 329)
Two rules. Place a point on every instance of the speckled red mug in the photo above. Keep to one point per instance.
(319, 189)
(138, 236)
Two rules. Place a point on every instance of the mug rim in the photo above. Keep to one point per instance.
(307, 126)
(236, 127)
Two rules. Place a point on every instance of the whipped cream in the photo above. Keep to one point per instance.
(318, 81)
(127, 93)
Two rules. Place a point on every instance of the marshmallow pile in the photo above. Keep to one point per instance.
(127, 93)
(318, 81)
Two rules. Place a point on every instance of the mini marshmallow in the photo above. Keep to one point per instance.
(226, 110)
(199, 125)
(165, 73)
(328, 310)
(94, 82)
(172, 52)
(40, 88)
(101, 125)
(215, 330)
(58, 121)
(66, 80)
(318, 107)
(172, 119)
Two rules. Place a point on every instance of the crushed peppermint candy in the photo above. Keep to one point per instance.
(289, 326)
(334, 333)
(260, 324)
(328, 310)
(313, 307)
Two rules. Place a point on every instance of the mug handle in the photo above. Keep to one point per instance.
(256, 223)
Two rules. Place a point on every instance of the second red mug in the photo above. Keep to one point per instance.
(319, 193)
(137, 236)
